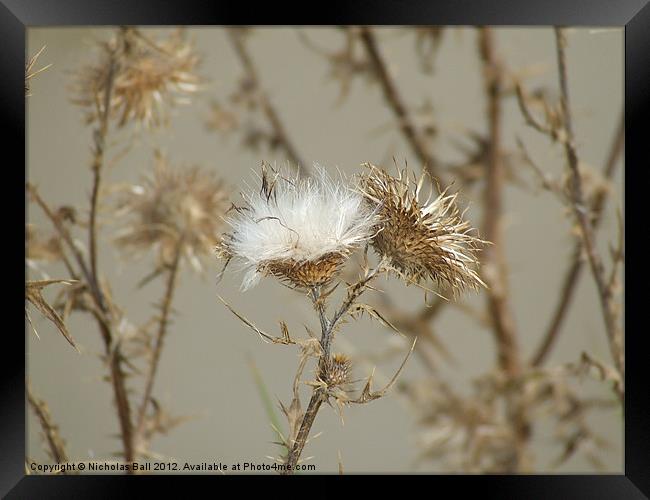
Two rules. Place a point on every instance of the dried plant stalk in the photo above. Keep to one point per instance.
(614, 333)
(572, 276)
(133, 75)
(394, 99)
(54, 440)
(159, 342)
(281, 137)
(302, 231)
(494, 259)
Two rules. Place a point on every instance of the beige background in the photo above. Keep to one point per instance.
(203, 370)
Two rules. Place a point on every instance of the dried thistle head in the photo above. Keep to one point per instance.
(171, 208)
(41, 247)
(300, 230)
(338, 371)
(145, 76)
(422, 240)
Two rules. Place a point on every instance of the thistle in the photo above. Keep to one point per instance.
(147, 77)
(427, 240)
(171, 208)
(338, 370)
(300, 230)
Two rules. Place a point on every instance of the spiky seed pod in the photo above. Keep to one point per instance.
(338, 371)
(309, 272)
(187, 203)
(300, 230)
(422, 240)
(149, 77)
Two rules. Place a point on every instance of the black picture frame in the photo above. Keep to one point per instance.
(17, 15)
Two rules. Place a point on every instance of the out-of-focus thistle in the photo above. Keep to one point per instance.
(427, 240)
(300, 230)
(40, 247)
(170, 208)
(149, 77)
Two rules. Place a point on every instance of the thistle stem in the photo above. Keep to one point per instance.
(160, 338)
(50, 429)
(268, 109)
(317, 399)
(614, 334)
(393, 98)
(327, 331)
(503, 323)
(572, 277)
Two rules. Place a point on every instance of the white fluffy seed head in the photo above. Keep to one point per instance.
(296, 220)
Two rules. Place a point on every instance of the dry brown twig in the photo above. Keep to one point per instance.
(280, 135)
(344, 64)
(412, 134)
(51, 434)
(163, 323)
(585, 220)
(573, 273)
(494, 260)
(614, 333)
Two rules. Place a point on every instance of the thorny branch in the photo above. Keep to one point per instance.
(495, 270)
(614, 333)
(113, 350)
(100, 136)
(239, 45)
(572, 277)
(394, 99)
(163, 322)
(50, 429)
(101, 311)
(320, 394)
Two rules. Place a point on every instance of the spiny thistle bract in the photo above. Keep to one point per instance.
(173, 207)
(300, 230)
(422, 240)
(338, 371)
(149, 76)
(30, 72)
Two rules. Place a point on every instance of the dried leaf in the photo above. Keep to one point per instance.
(368, 395)
(359, 308)
(285, 339)
(34, 296)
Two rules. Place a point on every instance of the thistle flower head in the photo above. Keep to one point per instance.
(145, 76)
(422, 240)
(171, 208)
(338, 370)
(300, 230)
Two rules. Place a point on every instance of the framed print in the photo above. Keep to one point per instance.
(381, 239)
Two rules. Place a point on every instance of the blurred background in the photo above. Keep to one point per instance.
(335, 115)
